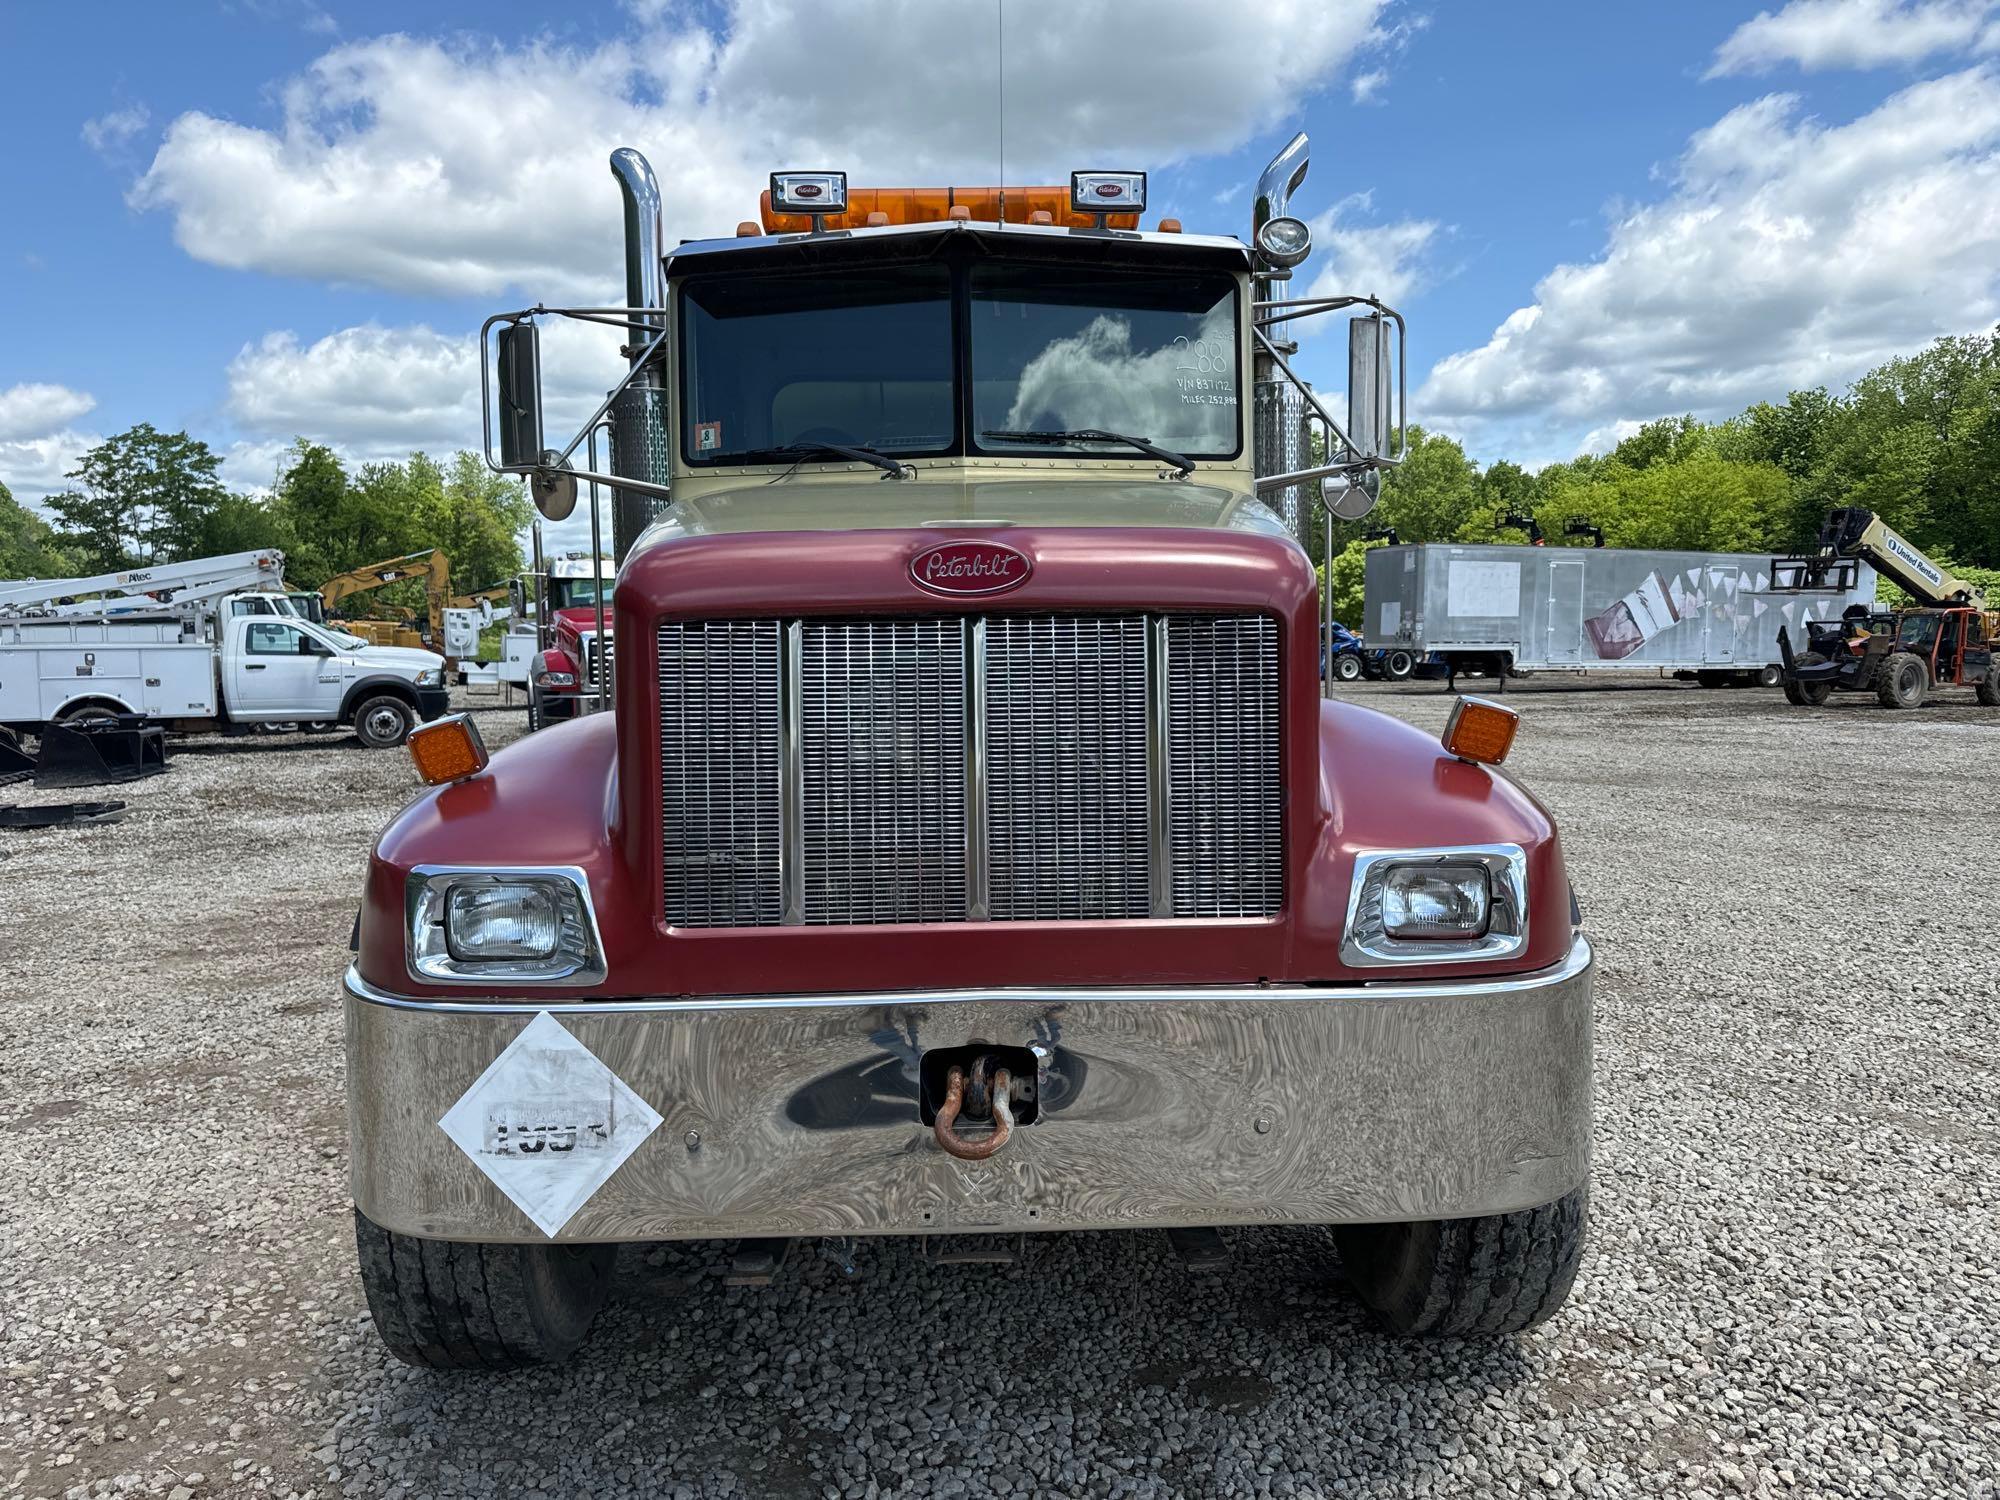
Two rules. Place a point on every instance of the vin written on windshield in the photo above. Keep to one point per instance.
(869, 359)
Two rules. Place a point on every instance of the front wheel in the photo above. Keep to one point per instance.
(1903, 682)
(1495, 1275)
(1398, 665)
(383, 723)
(1347, 667)
(1809, 694)
(1988, 691)
(449, 1306)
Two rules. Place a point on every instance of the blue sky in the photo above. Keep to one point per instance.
(266, 217)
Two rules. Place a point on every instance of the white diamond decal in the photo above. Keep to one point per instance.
(549, 1123)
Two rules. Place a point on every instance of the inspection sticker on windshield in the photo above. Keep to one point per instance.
(549, 1123)
(707, 437)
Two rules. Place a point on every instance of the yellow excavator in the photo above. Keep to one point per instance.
(400, 628)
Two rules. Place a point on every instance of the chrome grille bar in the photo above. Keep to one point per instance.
(1224, 813)
(1067, 796)
(882, 770)
(720, 773)
(999, 768)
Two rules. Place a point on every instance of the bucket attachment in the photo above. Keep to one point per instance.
(100, 751)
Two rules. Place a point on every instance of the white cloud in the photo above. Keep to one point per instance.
(1789, 253)
(1367, 87)
(33, 468)
(108, 132)
(32, 411)
(1366, 260)
(471, 169)
(372, 392)
(1821, 34)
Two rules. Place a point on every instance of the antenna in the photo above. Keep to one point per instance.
(1000, 67)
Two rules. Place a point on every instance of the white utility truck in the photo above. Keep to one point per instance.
(212, 644)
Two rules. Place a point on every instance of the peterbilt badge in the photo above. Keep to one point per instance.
(970, 567)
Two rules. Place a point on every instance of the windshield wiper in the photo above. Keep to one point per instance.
(1096, 435)
(803, 451)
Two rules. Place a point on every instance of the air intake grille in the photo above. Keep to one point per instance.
(1011, 768)
(882, 770)
(720, 773)
(1224, 797)
(1068, 813)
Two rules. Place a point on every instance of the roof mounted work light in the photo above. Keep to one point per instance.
(815, 194)
(1107, 193)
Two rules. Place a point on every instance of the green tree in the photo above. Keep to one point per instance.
(27, 544)
(238, 523)
(476, 516)
(142, 496)
(1704, 503)
(1670, 440)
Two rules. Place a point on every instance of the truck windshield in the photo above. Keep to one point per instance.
(876, 359)
(861, 358)
(1061, 351)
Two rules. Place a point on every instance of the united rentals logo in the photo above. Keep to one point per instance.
(970, 568)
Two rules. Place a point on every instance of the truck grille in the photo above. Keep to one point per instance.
(1007, 768)
(595, 660)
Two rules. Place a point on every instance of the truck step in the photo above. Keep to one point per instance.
(756, 1262)
(974, 1249)
(1199, 1250)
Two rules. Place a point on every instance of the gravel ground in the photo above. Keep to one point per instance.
(1790, 1287)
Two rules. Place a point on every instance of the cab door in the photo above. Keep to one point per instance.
(280, 671)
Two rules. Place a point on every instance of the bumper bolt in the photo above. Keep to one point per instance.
(693, 1139)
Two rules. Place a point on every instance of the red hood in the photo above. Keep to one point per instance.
(589, 794)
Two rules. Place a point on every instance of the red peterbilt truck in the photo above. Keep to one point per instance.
(972, 851)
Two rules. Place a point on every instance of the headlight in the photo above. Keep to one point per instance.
(1284, 241)
(485, 925)
(431, 677)
(1425, 903)
(1414, 906)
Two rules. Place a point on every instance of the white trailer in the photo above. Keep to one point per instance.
(1492, 608)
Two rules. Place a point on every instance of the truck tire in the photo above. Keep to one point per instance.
(1452, 1277)
(1988, 691)
(448, 1306)
(1809, 694)
(1347, 667)
(1770, 676)
(384, 721)
(1903, 682)
(1398, 665)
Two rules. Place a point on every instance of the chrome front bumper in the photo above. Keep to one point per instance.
(1160, 1107)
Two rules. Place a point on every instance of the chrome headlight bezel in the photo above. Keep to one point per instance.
(430, 677)
(579, 956)
(1365, 945)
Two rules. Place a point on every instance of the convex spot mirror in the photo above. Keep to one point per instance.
(553, 487)
(1350, 497)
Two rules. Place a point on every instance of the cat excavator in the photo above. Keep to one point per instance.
(430, 565)
(1948, 637)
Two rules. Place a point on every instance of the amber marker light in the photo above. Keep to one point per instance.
(1480, 730)
(447, 749)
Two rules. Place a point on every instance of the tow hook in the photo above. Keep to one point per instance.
(986, 1092)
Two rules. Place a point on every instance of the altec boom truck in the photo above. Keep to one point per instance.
(200, 646)
(972, 850)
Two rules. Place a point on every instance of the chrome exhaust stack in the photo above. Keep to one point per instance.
(640, 433)
(1279, 409)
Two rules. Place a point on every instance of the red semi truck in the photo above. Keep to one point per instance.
(972, 851)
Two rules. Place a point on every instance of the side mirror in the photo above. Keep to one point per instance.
(520, 359)
(517, 597)
(1368, 417)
